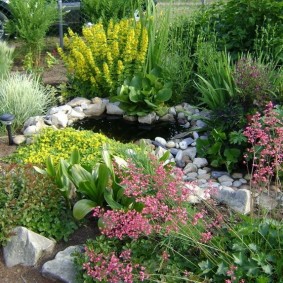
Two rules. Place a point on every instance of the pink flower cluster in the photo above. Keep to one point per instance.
(162, 194)
(119, 224)
(112, 268)
(265, 134)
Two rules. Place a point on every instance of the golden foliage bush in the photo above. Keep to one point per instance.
(101, 59)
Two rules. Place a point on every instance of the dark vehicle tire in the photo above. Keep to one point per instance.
(3, 19)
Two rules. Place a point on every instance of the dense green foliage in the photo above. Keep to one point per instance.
(27, 199)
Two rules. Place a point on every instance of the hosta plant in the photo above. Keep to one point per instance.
(144, 94)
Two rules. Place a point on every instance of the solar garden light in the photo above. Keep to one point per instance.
(7, 119)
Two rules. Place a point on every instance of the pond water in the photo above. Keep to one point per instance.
(121, 130)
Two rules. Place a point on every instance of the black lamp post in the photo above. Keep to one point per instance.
(7, 120)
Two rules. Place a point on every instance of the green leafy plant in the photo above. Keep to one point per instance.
(24, 96)
(6, 58)
(254, 247)
(142, 95)
(30, 21)
(59, 174)
(98, 186)
(219, 150)
(215, 80)
(239, 36)
(104, 10)
(31, 200)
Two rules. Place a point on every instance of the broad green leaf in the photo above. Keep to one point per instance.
(165, 156)
(75, 157)
(267, 268)
(50, 168)
(40, 171)
(82, 208)
(108, 196)
(238, 258)
(221, 268)
(164, 94)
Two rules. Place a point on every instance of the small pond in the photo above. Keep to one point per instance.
(125, 131)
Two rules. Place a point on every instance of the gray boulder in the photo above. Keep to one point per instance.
(26, 248)
(62, 266)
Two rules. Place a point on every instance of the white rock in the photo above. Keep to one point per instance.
(26, 248)
(191, 176)
(148, 119)
(187, 125)
(200, 124)
(237, 175)
(204, 176)
(96, 108)
(59, 120)
(225, 178)
(31, 130)
(114, 109)
(237, 184)
(168, 118)
(76, 115)
(191, 152)
(239, 200)
(172, 111)
(243, 181)
(62, 267)
(63, 108)
(33, 121)
(195, 135)
(202, 171)
(201, 182)
(183, 145)
(170, 144)
(78, 101)
(181, 115)
(227, 183)
(198, 194)
(161, 140)
(200, 162)
(190, 167)
(266, 202)
(19, 139)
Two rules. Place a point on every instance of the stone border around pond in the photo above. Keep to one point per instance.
(233, 190)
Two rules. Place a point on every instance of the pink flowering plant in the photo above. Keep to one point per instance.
(161, 196)
(265, 154)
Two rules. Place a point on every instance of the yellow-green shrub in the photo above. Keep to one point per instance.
(101, 59)
(60, 144)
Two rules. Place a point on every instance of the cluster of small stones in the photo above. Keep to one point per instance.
(231, 189)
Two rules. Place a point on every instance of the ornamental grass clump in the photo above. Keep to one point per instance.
(6, 58)
(102, 58)
(24, 97)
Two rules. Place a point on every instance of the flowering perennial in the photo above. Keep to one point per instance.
(162, 195)
(103, 59)
(112, 268)
(265, 134)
